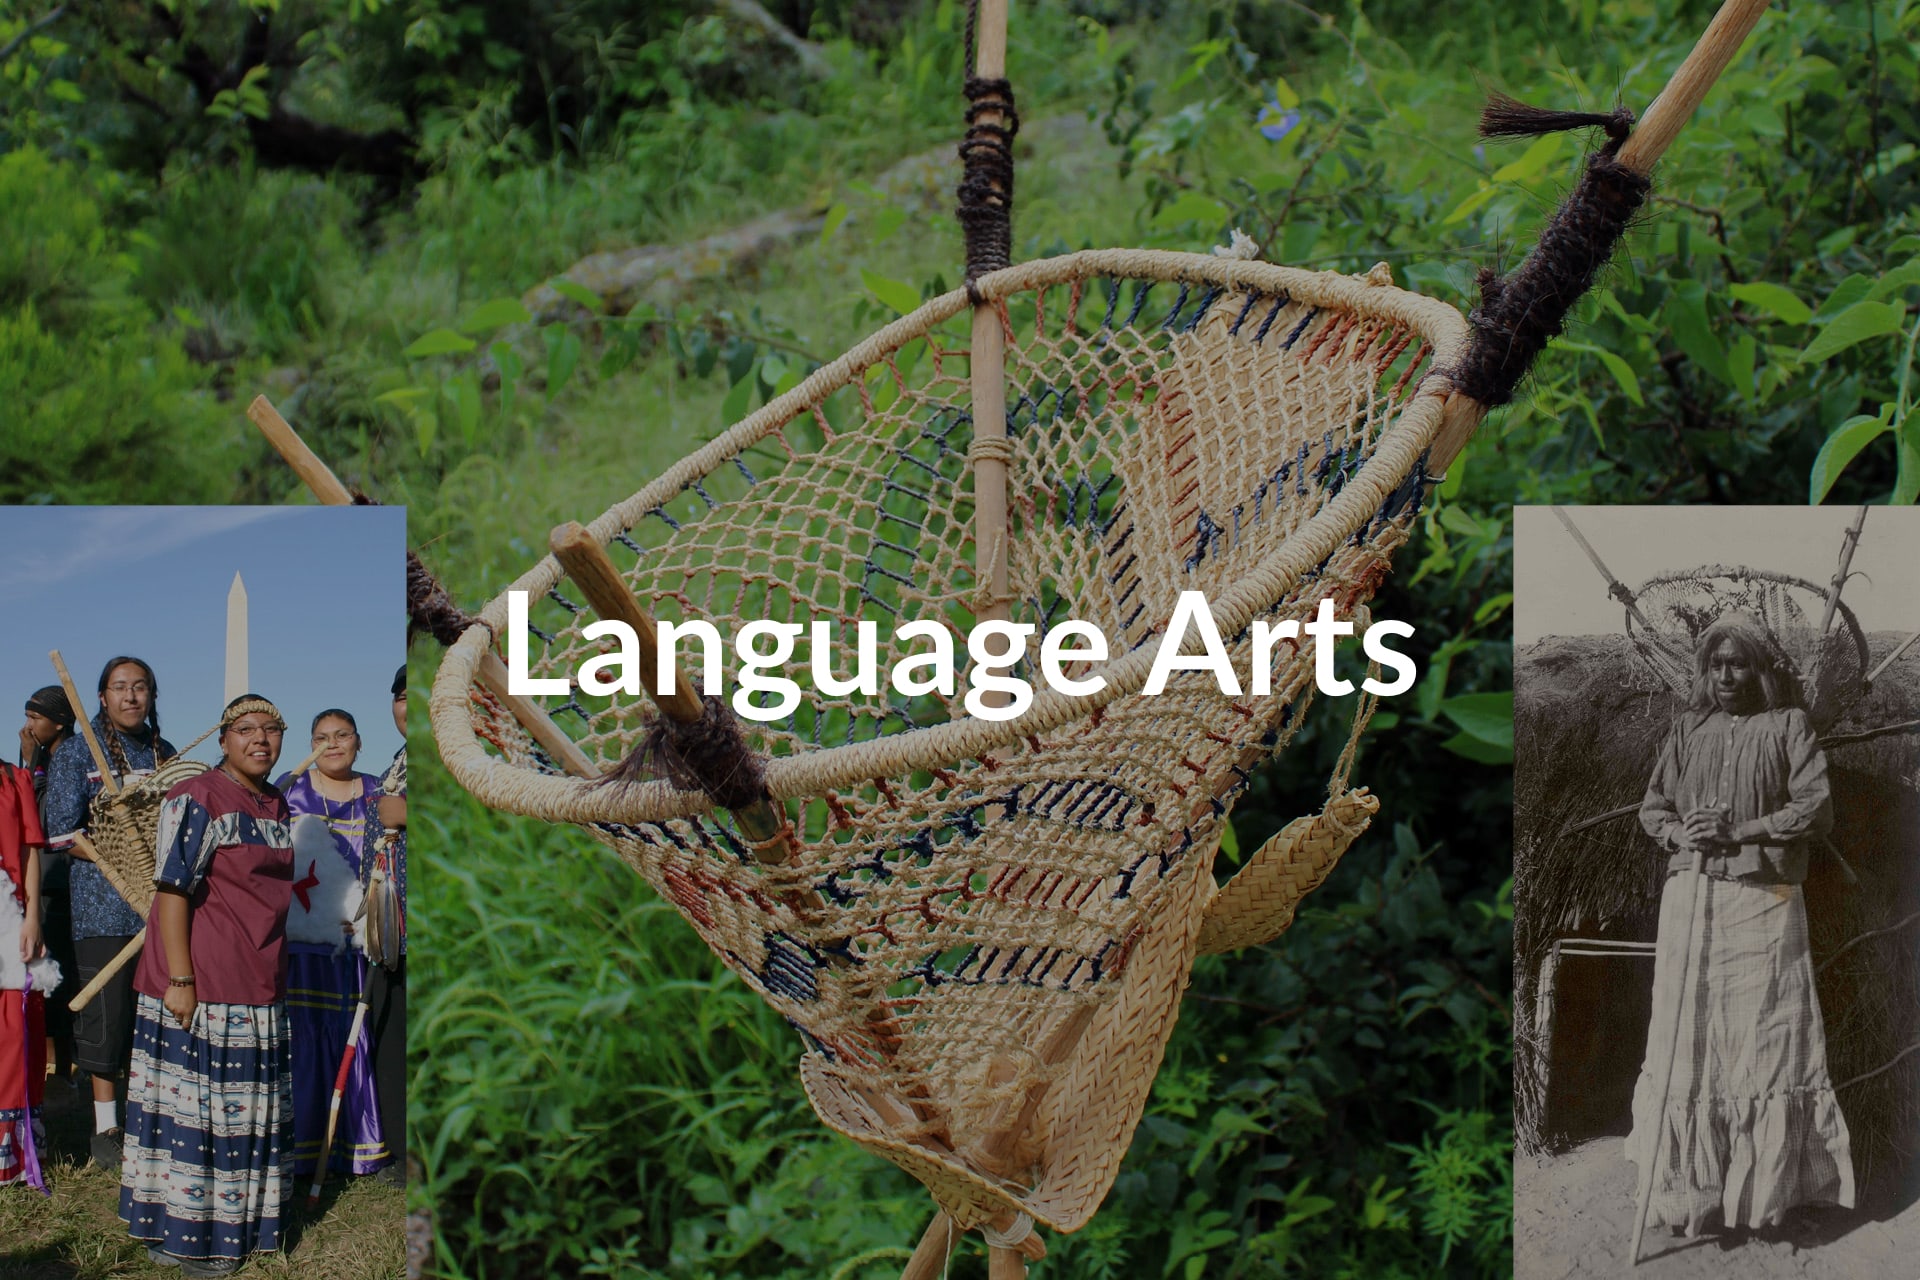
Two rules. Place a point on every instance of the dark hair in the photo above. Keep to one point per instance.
(400, 681)
(1779, 684)
(108, 731)
(51, 701)
(329, 714)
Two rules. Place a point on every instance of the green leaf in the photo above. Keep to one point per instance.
(507, 360)
(1229, 842)
(901, 297)
(1622, 372)
(65, 91)
(1534, 159)
(1906, 484)
(739, 399)
(1776, 300)
(1476, 749)
(563, 353)
(1693, 331)
(1492, 608)
(579, 293)
(463, 393)
(1841, 448)
(1464, 210)
(1904, 276)
(835, 216)
(1486, 716)
(1858, 323)
(425, 426)
(441, 342)
(1192, 206)
(1849, 291)
(495, 314)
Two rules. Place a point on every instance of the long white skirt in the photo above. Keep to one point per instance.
(1751, 1126)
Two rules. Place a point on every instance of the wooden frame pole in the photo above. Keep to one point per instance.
(327, 489)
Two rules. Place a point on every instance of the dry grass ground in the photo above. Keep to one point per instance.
(356, 1233)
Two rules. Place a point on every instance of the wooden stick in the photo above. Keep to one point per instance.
(320, 480)
(326, 487)
(1887, 661)
(107, 780)
(1615, 588)
(937, 1244)
(987, 359)
(113, 966)
(1696, 905)
(586, 562)
(1689, 84)
(1848, 542)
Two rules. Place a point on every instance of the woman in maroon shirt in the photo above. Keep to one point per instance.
(209, 1097)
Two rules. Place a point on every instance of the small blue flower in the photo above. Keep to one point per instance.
(1276, 124)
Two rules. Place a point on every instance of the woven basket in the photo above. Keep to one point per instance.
(987, 928)
(125, 829)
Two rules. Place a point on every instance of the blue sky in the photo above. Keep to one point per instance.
(326, 594)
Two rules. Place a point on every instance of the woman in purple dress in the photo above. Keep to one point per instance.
(327, 971)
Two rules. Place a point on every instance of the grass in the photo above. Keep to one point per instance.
(354, 1233)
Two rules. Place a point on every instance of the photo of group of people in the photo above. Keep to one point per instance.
(202, 945)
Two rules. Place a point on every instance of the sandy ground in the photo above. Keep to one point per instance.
(1574, 1212)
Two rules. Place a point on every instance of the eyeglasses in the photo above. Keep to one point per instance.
(334, 739)
(138, 687)
(254, 730)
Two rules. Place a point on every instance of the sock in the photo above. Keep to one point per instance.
(102, 1116)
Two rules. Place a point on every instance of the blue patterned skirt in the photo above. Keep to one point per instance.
(209, 1129)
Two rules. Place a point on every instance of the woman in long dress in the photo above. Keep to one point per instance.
(25, 976)
(331, 804)
(209, 1096)
(1749, 1127)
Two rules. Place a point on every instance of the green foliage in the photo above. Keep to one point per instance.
(84, 387)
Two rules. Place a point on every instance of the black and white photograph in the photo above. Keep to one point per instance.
(1716, 891)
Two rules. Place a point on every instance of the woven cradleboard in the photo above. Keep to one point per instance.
(1679, 605)
(987, 926)
(125, 827)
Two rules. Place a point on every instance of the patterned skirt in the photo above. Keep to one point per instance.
(1750, 1126)
(323, 989)
(209, 1127)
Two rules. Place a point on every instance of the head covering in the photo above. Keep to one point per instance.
(400, 681)
(51, 702)
(247, 704)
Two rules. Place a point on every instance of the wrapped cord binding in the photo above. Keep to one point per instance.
(1519, 313)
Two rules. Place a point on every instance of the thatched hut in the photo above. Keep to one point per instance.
(1589, 719)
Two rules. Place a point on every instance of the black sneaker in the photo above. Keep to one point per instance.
(106, 1148)
(210, 1266)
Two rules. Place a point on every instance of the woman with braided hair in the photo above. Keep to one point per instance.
(209, 1096)
(128, 726)
(1749, 1126)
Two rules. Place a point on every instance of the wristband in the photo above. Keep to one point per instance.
(177, 981)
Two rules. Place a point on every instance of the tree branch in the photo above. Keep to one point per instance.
(33, 28)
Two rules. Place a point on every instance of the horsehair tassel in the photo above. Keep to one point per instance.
(709, 754)
(1506, 117)
(1519, 313)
